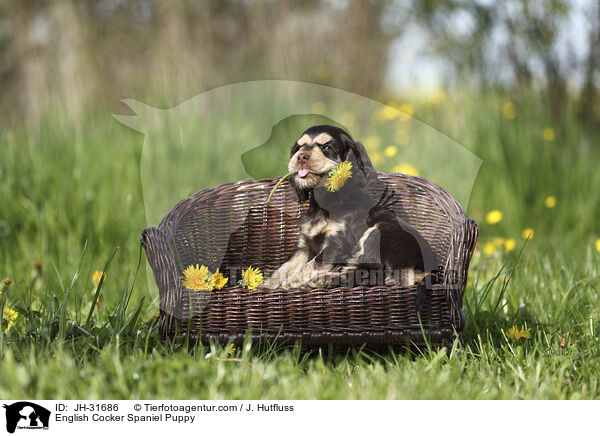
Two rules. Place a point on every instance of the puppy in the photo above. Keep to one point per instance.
(347, 237)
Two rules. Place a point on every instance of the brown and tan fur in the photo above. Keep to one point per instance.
(346, 236)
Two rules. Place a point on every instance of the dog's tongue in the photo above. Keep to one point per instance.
(303, 172)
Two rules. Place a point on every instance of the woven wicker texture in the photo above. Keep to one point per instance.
(231, 227)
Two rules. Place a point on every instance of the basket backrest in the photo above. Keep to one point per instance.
(231, 226)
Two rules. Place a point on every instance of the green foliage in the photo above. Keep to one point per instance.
(71, 195)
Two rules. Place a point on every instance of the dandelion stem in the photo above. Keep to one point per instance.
(277, 186)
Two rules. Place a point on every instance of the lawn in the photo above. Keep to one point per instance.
(72, 204)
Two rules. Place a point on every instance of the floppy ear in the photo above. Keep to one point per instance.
(357, 154)
(302, 194)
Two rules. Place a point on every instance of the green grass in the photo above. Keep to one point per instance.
(72, 197)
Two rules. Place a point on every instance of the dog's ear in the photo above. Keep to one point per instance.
(357, 154)
(302, 194)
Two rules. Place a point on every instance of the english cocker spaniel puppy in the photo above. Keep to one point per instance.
(347, 237)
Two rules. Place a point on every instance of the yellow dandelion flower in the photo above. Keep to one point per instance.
(252, 278)
(526, 333)
(528, 233)
(217, 280)
(598, 244)
(196, 278)
(516, 334)
(493, 217)
(387, 113)
(96, 278)
(391, 151)
(509, 110)
(489, 249)
(318, 107)
(231, 349)
(498, 241)
(437, 96)
(372, 143)
(549, 134)
(338, 176)
(406, 168)
(509, 244)
(407, 108)
(4, 285)
(550, 202)
(9, 318)
(406, 111)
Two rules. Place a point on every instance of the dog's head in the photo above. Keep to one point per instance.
(318, 151)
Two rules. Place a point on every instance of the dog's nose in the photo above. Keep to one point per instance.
(303, 157)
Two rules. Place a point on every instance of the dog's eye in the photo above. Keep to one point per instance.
(326, 147)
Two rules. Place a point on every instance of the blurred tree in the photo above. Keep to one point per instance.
(589, 94)
(75, 54)
(516, 43)
(102, 50)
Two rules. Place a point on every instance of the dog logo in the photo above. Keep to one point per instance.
(246, 130)
(26, 415)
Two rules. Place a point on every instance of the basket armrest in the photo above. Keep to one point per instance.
(462, 245)
(160, 255)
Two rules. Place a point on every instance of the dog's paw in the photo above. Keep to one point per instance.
(271, 283)
(405, 277)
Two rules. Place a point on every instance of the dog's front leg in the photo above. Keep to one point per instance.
(314, 275)
(286, 272)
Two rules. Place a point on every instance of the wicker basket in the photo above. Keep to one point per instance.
(230, 226)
